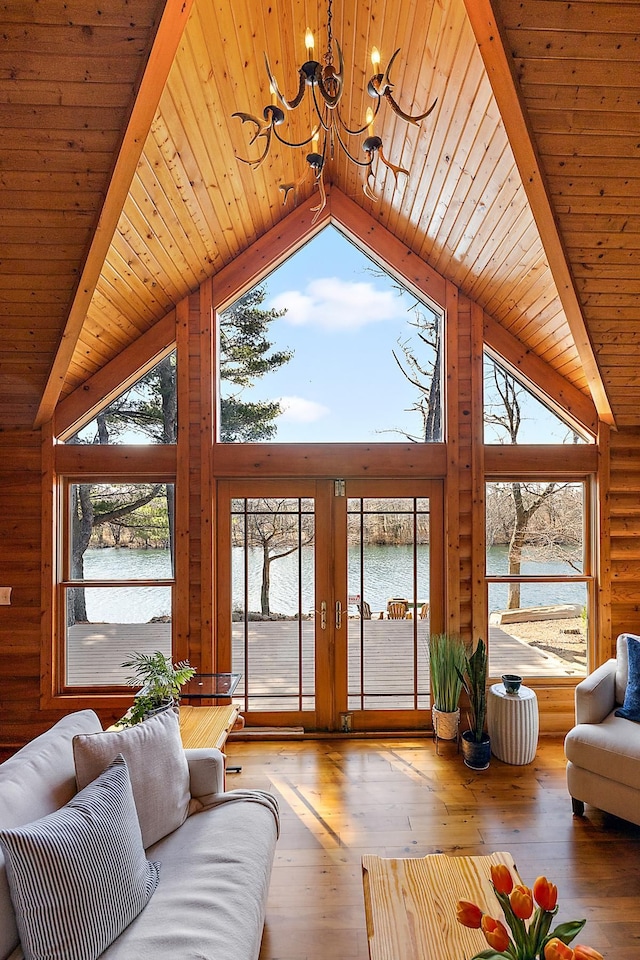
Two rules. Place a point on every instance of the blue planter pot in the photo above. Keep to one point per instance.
(476, 754)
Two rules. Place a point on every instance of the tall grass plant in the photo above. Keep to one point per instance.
(447, 660)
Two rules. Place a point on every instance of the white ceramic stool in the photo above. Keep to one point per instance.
(512, 723)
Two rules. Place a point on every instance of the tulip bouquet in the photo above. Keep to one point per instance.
(531, 935)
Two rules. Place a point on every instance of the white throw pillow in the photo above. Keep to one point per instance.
(79, 876)
(157, 766)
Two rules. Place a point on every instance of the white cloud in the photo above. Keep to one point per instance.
(299, 410)
(334, 304)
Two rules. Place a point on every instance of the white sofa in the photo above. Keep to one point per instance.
(602, 750)
(210, 899)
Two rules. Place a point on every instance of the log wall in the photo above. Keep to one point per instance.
(20, 532)
(624, 512)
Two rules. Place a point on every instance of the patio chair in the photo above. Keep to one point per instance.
(424, 611)
(364, 610)
(397, 609)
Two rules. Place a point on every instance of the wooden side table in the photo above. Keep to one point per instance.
(410, 905)
(207, 726)
(512, 723)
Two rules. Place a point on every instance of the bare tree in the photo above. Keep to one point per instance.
(527, 499)
(88, 512)
(419, 357)
(423, 370)
(278, 532)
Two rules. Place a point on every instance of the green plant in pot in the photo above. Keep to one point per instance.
(476, 745)
(447, 659)
(160, 681)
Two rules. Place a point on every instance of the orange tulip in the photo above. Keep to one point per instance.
(580, 952)
(501, 878)
(469, 914)
(557, 950)
(521, 901)
(546, 893)
(495, 933)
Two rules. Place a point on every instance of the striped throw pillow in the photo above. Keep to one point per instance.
(79, 876)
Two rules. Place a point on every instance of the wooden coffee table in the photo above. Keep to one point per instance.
(410, 905)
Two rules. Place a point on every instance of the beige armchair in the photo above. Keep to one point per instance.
(602, 750)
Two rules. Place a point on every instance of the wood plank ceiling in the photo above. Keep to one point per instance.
(578, 69)
(192, 207)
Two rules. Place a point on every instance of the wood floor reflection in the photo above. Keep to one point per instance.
(340, 799)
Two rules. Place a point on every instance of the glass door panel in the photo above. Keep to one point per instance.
(272, 592)
(388, 546)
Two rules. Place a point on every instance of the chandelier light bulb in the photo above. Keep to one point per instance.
(309, 42)
(375, 58)
(369, 120)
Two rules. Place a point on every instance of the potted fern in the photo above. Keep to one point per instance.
(446, 663)
(160, 681)
(476, 745)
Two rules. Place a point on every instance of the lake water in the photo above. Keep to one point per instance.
(387, 573)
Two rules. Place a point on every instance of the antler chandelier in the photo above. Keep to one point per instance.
(326, 82)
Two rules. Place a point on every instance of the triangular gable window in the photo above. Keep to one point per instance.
(145, 412)
(330, 348)
(514, 415)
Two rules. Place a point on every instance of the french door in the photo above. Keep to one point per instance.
(327, 591)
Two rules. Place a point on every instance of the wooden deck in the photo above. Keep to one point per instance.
(381, 660)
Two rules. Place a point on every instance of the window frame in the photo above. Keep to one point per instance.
(410, 285)
(65, 581)
(588, 575)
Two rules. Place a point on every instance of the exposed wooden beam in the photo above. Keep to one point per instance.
(400, 460)
(158, 461)
(500, 69)
(538, 460)
(167, 37)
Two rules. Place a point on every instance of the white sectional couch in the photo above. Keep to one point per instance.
(210, 899)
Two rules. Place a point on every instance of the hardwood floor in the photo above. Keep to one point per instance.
(340, 799)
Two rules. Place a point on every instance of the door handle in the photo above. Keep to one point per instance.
(323, 614)
(338, 614)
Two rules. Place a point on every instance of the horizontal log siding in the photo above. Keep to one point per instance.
(20, 531)
(624, 506)
(468, 540)
(195, 486)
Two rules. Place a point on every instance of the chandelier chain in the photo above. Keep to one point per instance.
(328, 57)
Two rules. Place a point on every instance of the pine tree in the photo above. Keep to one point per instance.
(246, 355)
